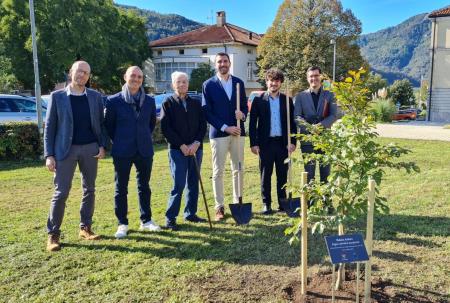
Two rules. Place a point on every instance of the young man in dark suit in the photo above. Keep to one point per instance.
(130, 119)
(315, 106)
(269, 136)
(219, 104)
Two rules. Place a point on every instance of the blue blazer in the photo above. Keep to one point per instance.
(58, 130)
(219, 110)
(130, 133)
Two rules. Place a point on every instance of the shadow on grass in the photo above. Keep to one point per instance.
(264, 243)
(13, 165)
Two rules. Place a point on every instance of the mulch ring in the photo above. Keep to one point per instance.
(282, 284)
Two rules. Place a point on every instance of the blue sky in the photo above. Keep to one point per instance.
(257, 15)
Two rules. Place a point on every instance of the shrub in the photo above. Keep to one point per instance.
(19, 140)
(157, 135)
(382, 110)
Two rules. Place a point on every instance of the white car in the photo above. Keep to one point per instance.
(16, 108)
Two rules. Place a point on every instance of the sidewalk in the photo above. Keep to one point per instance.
(421, 130)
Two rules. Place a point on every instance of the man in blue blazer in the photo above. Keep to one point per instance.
(130, 118)
(219, 103)
(74, 135)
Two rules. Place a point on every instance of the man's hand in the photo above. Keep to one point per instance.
(291, 148)
(239, 115)
(193, 148)
(255, 149)
(101, 153)
(185, 150)
(50, 163)
(233, 130)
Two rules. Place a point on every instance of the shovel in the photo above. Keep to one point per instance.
(290, 205)
(197, 167)
(241, 212)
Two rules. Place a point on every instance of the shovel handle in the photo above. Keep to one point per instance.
(197, 168)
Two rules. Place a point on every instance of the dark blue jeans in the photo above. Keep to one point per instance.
(122, 168)
(310, 167)
(184, 175)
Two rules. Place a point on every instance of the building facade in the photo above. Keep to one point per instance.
(439, 95)
(184, 52)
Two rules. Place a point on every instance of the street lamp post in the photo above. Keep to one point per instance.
(332, 41)
(37, 85)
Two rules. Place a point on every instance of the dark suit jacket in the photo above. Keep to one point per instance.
(130, 133)
(182, 125)
(304, 107)
(58, 131)
(260, 115)
(219, 110)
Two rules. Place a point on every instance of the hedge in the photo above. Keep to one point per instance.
(19, 141)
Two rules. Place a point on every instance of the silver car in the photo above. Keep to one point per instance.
(16, 108)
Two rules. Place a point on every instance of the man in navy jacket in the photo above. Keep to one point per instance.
(219, 103)
(130, 117)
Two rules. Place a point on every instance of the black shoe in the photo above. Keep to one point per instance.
(172, 226)
(266, 210)
(195, 219)
(280, 209)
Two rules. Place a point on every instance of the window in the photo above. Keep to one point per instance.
(159, 53)
(249, 71)
(181, 51)
(249, 51)
(204, 50)
(447, 38)
(4, 106)
(24, 105)
(163, 71)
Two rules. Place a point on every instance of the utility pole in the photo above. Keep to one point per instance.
(37, 85)
(332, 41)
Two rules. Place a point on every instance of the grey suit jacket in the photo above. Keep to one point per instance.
(304, 107)
(58, 130)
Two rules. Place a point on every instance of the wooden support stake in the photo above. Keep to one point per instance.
(333, 274)
(357, 281)
(341, 269)
(369, 237)
(304, 249)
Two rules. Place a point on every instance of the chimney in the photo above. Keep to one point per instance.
(221, 20)
(250, 35)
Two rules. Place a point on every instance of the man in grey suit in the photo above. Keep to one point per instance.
(314, 106)
(74, 134)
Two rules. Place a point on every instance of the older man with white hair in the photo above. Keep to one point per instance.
(130, 119)
(184, 126)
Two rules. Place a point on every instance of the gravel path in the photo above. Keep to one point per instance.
(420, 130)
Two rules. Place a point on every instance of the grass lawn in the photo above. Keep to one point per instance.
(253, 263)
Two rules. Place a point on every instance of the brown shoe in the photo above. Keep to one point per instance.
(53, 242)
(87, 234)
(220, 214)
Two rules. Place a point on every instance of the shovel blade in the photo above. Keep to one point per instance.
(291, 206)
(241, 213)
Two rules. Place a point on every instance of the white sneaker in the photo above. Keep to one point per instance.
(150, 226)
(122, 231)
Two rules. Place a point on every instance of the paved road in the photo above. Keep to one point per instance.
(421, 130)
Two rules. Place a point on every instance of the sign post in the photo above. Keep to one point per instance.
(346, 249)
(304, 249)
(369, 236)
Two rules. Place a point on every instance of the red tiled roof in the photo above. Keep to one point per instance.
(443, 12)
(210, 34)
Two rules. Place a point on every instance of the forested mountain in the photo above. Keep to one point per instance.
(161, 25)
(397, 52)
(401, 51)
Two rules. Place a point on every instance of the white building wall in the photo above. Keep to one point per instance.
(440, 95)
(239, 58)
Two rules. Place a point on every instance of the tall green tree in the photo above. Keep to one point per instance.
(375, 82)
(401, 91)
(108, 38)
(199, 75)
(300, 37)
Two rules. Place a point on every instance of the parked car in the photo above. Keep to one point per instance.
(252, 96)
(405, 114)
(159, 99)
(16, 108)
